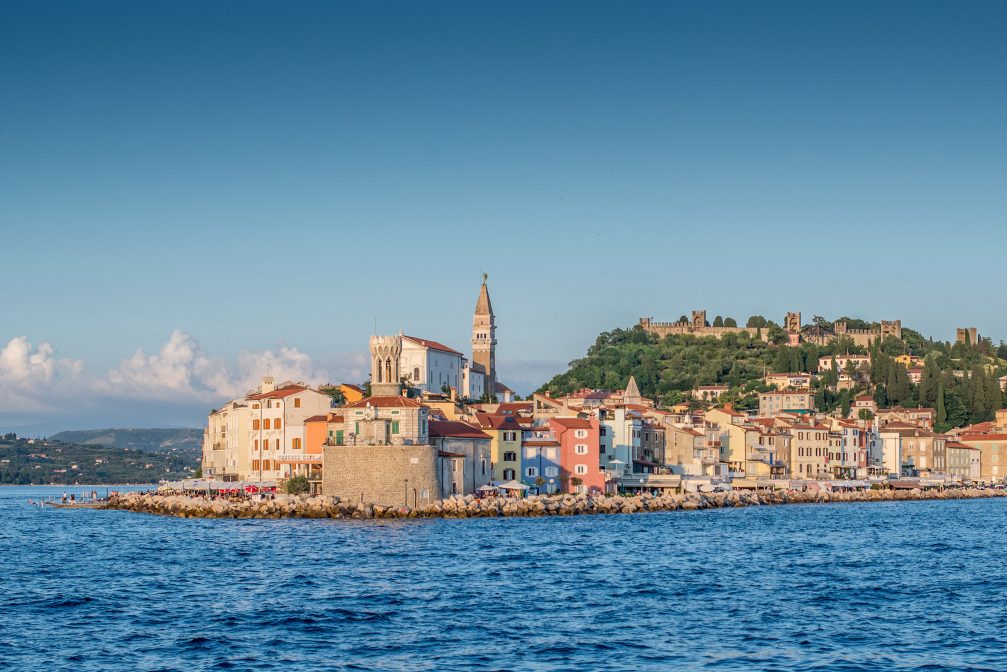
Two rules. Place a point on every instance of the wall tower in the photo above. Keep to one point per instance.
(385, 378)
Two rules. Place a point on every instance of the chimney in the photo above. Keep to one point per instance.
(453, 394)
(267, 385)
(729, 406)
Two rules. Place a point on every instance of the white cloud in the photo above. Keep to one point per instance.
(182, 370)
(179, 380)
(28, 375)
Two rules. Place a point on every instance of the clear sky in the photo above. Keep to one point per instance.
(236, 187)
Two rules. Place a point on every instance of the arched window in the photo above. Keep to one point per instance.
(377, 368)
(416, 374)
(388, 370)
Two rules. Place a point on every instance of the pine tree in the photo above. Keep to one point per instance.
(718, 321)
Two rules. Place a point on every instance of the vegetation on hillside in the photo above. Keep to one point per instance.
(959, 381)
(39, 462)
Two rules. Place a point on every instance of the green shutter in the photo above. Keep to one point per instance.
(395, 426)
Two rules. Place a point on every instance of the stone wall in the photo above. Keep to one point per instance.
(388, 475)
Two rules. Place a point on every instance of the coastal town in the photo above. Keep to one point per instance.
(433, 423)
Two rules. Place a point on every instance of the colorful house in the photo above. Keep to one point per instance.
(580, 458)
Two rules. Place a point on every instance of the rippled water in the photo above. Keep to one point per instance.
(916, 585)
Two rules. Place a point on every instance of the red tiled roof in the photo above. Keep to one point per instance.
(983, 437)
(515, 407)
(278, 393)
(317, 418)
(573, 423)
(433, 345)
(456, 429)
(385, 402)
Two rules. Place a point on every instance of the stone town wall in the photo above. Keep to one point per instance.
(388, 475)
(662, 329)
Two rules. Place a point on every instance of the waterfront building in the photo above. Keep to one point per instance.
(430, 366)
(923, 452)
(809, 451)
(993, 454)
(620, 432)
(505, 434)
(579, 457)
(464, 453)
(276, 432)
(226, 456)
(540, 460)
(964, 462)
(692, 451)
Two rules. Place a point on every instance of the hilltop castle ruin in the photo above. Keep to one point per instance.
(791, 325)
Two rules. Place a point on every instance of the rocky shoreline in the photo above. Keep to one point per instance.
(303, 506)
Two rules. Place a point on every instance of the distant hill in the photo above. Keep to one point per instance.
(39, 461)
(186, 441)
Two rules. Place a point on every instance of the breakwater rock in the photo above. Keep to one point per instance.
(303, 506)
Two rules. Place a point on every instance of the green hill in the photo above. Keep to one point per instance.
(959, 380)
(185, 441)
(39, 461)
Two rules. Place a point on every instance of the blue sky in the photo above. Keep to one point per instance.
(236, 185)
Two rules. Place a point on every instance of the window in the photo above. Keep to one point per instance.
(256, 444)
(416, 373)
(581, 434)
(510, 457)
(265, 423)
(602, 431)
(551, 471)
(454, 466)
(297, 444)
(276, 423)
(339, 437)
(508, 474)
(255, 405)
(580, 449)
(297, 403)
(531, 472)
(484, 467)
(255, 424)
(255, 465)
(581, 469)
(395, 426)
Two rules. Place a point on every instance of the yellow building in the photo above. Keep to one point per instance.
(505, 444)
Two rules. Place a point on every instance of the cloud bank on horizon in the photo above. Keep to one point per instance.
(40, 389)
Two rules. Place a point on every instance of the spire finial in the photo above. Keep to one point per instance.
(485, 277)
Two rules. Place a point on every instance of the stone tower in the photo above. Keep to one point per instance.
(484, 339)
(385, 379)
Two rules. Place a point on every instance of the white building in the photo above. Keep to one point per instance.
(620, 432)
(891, 452)
(276, 432)
(430, 366)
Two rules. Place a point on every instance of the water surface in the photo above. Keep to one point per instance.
(895, 586)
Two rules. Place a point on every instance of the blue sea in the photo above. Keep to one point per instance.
(887, 586)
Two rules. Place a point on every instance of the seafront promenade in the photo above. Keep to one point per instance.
(303, 506)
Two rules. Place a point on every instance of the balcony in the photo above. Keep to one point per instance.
(310, 458)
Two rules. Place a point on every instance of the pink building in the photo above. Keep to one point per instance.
(580, 456)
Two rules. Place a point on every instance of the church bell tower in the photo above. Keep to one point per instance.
(484, 338)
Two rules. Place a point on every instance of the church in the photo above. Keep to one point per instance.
(433, 368)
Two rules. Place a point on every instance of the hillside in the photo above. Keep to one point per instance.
(38, 462)
(960, 381)
(187, 442)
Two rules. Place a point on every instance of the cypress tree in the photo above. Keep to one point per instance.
(942, 411)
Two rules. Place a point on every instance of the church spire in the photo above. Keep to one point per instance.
(483, 305)
(484, 339)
